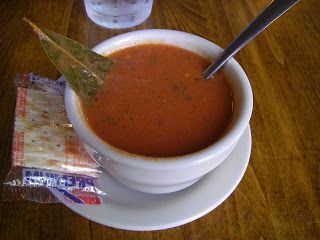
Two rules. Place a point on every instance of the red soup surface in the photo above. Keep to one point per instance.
(156, 102)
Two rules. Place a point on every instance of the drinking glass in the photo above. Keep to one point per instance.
(118, 13)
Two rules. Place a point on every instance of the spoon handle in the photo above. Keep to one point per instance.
(274, 10)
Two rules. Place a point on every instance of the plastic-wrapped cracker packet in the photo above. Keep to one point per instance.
(46, 153)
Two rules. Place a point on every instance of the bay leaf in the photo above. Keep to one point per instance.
(85, 70)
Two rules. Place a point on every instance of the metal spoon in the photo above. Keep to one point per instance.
(274, 10)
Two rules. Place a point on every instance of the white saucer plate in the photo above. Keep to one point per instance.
(131, 210)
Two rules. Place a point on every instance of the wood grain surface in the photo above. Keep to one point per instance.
(279, 195)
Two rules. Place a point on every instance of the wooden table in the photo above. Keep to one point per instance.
(278, 198)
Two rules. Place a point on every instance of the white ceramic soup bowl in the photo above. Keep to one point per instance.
(164, 175)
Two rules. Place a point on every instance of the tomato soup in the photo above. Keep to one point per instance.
(156, 102)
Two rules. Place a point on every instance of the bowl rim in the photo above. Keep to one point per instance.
(84, 131)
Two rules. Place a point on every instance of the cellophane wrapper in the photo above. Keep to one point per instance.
(46, 154)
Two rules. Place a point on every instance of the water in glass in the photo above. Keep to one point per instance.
(118, 13)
